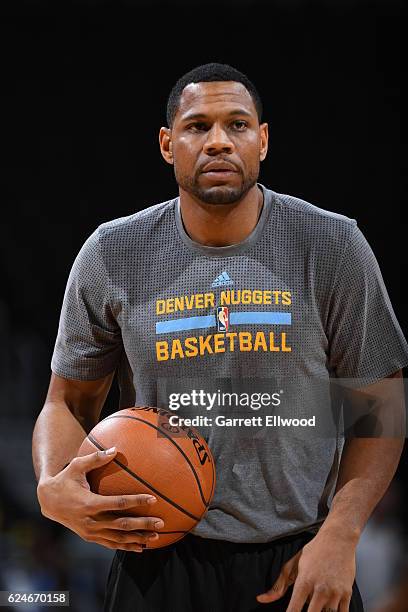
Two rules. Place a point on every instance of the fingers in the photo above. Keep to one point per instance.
(345, 603)
(129, 523)
(86, 463)
(103, 503)
(122, 531)
(277, 591)
(125, 532)
(301, 591)
(115, 546)
(124, 537)
(324, 599)
(285, 579)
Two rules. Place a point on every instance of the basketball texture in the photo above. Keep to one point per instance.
(172, 463)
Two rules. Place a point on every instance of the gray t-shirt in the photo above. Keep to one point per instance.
(300, 300)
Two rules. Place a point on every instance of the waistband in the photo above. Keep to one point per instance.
(302, 537)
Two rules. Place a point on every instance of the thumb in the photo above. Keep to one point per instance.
(277, 591)
(285, 579)
(86, 463)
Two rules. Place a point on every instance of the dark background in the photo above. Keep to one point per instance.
(84, 90)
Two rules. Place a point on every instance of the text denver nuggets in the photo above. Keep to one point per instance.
(268, 338)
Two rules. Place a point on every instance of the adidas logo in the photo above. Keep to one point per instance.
(222, 279)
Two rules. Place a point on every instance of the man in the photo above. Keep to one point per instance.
(302, 300)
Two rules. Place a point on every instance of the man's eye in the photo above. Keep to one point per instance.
(197, 126)
(240, 125)
(200, 127)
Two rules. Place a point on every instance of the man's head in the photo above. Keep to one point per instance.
(215, 139)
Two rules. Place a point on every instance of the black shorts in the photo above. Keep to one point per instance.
(203, 575)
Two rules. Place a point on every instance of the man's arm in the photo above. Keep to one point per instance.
(368, 465)
(324, 570)
(71, 410)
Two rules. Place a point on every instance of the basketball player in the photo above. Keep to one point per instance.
(287, 514)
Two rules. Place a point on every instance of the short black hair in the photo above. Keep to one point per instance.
(206, 73)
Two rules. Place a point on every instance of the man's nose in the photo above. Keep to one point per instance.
(217, 141)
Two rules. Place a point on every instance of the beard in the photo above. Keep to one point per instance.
(216, 194)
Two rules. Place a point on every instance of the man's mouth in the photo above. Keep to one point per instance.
(219, 166)
(219, 174)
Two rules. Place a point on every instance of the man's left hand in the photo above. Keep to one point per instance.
(322, 573)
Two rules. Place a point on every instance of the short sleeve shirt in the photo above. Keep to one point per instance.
(300, 300)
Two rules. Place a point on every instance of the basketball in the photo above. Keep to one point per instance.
(173, 463)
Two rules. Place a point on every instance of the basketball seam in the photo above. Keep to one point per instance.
(140, 479)
(128, 416)
(213, 482)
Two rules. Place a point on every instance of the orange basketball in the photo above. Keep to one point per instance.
(172, 463)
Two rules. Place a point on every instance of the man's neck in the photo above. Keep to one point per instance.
(221, 224)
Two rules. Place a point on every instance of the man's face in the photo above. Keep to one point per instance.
(216, 143)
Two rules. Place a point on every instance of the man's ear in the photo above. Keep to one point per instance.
(263, 131)
(166, 144)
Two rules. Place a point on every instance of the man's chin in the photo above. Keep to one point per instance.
(219, 194)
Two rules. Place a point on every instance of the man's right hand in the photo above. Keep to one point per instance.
(67, 499)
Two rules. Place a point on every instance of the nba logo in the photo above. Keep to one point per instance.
(222, 319)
